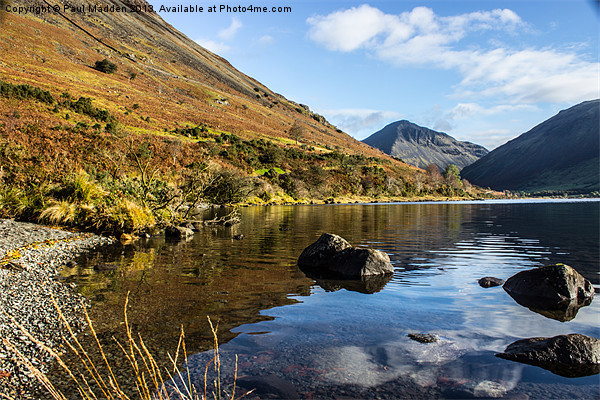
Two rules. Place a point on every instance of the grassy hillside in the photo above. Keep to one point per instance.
(118, 121)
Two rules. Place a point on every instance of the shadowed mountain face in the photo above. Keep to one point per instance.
(560, 154)
(420, 146)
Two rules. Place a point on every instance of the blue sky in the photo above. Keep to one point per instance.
(481, 71)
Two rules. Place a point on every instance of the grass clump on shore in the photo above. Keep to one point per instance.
(97, 378)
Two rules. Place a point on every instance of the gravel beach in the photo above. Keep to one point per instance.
(30, 257)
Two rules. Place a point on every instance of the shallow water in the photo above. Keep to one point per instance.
(328, 341)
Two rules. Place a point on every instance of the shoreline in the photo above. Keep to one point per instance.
(31, 256)
(344, 200)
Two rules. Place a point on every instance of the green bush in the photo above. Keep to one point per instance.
(105, 66)
(25, 91)
(83, 105)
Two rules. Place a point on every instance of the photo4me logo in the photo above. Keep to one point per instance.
(68, 7)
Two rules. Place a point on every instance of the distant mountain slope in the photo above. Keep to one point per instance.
(421, 146)
(560, 154)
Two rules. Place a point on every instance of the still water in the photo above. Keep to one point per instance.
(296, 337)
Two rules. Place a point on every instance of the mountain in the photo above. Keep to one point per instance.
(175, 80)
(117, 91)
(421, 146)
(559, 155)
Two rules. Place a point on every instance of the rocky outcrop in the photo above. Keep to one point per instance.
(556, 291)
(490, 281)
(571, 355)
(331, 256)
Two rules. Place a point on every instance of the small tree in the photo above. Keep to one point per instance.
(451, 171)
(434, 174)
(105, 66)
(452, 175)
(296, 131)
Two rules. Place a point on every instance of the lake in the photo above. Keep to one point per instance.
(296, 337)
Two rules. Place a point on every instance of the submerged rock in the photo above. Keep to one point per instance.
(268, 387)
(331, 256)
(572, 356)
(477, 390)
(105, 267)
(423, 337)
(490, 281)
(555, 291)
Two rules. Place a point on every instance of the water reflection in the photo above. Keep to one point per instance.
(368, 284)
(276, 319)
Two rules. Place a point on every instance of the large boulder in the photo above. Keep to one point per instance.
(556, 291)
(331, 256)
(571, 355)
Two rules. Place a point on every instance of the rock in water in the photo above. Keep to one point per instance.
(571, 355)
(105, 267)
(556, 291)
(423, 337)
(490, 281)
(178, 232)
(477, 390)
(332, 256)
(320, 252)
(269, 387)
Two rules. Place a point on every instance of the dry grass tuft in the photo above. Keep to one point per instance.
(98, 380)
(60, 212)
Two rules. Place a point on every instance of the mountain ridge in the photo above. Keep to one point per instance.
(420, 146)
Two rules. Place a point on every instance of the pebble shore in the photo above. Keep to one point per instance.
(31, 256)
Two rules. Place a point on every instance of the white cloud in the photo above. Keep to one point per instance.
(225, 34)
(266, 40)
(360, 123)
(470, 110)
(214, 46)
(229, 32)
(350, 29)
(422, 38)
(491, 138)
